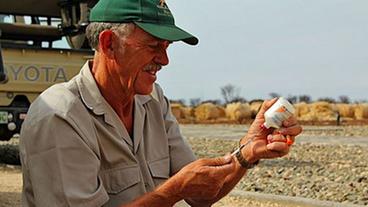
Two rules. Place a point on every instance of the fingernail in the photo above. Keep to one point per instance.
(227, 158)
(269, 138)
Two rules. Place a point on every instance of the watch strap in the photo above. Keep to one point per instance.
(242, 161)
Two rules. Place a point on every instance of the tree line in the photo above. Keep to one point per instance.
(231, 94)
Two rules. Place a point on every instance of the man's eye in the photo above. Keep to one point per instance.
(159, 45)
(153, 45)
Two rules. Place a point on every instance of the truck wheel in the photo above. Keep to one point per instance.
(6, 135)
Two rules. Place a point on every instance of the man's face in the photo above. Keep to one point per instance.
(139, 57)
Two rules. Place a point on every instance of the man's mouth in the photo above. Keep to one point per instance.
(152, 68)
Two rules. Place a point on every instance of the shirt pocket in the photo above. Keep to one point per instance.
(120, 179)
(160, 170)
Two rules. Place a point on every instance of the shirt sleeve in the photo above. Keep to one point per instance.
(60, 168)
(180, 151)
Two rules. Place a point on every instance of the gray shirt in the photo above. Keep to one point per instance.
(75, 151)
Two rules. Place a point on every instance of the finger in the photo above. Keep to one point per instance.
(218, 161)
(290, 121)
(265, 106)
(276, 138)
(278, 147)
(293, 130)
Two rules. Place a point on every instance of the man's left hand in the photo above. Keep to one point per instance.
(269, 143)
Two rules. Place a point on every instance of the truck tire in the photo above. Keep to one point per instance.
(6, 135)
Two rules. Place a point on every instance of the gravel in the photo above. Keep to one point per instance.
(336, 173)
(236, 201)
(329, 163)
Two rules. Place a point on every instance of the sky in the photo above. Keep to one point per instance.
(290, 47)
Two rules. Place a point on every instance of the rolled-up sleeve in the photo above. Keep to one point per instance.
(59, 166)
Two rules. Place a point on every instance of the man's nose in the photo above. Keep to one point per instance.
(161, 57)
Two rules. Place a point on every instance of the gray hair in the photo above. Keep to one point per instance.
(94, 29)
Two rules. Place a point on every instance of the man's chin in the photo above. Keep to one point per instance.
(146, 91)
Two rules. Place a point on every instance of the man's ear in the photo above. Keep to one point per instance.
(105, 43)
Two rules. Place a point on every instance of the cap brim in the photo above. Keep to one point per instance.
(168, 32)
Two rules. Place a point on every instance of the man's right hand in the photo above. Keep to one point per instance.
(198, 183)
(201, 179)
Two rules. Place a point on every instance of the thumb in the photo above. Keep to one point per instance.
(225, 169)
(266, 105)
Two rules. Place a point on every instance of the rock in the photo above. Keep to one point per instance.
(287, 174)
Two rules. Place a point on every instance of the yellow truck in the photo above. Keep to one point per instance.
(30, 63)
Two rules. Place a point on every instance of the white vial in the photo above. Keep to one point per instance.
(279, 111)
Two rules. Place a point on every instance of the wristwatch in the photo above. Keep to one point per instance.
(239, 156)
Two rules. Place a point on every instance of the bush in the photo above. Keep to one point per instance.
(9, 154)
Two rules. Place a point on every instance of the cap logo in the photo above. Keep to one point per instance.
(163, 9)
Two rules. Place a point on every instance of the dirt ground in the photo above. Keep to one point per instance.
(11, 178)
(10, 186)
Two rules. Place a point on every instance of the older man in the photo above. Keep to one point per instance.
(108, 138)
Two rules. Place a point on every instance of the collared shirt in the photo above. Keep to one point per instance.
(75, 151)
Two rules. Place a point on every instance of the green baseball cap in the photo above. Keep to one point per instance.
(153, 16)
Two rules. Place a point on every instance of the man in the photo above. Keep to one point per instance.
(108, 138)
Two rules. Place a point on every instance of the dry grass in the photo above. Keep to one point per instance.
(207, 111)
(238, 111)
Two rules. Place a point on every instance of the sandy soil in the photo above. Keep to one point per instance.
(11, 178)
(10, 186)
